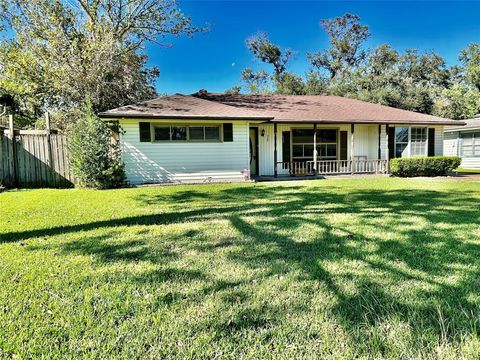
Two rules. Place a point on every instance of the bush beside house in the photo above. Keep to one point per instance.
(95, 154)
(424, 166)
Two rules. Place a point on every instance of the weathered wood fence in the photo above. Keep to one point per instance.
(34, 158)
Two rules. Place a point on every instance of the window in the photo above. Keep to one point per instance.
(470, 145)
(187, 133)
(419, 141)
(302, 144)
(401, 141)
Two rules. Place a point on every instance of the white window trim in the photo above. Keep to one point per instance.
(187, 140)
(409, 143)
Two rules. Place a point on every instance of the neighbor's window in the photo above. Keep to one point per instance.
(418, 142)
(470, 145)
(187, 133)
(401, 141)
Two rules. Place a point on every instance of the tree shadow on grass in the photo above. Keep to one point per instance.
(425, 245)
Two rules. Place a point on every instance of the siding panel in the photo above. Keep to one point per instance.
(147, 162)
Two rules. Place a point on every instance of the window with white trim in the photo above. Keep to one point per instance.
(174, 133)
(302, 144)
(401, 141)
(418, 141)
(470, 145)
(411, 141)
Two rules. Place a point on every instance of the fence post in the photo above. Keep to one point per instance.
(13, 151)
(50, 164)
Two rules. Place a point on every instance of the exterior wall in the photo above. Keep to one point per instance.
(160, 162)
(450, 146)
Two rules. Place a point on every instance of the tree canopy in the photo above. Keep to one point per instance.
(409, 80)
(63, 52)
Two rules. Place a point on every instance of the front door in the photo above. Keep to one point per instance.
(253, 151)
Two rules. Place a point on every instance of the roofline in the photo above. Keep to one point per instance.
(185, 117)
(462, 129)
(381, 122)
(106, 115)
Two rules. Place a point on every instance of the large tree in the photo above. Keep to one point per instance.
(346, 36)
(62, 52)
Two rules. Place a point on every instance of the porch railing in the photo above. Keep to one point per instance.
(326, 167)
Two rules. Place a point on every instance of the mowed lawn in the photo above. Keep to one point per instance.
(344, 268)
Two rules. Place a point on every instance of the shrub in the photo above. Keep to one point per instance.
(424, 166)
(94, 154)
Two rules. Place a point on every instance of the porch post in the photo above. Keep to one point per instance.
(387, 148)
(275, 172)
(352, 148)
(379, 142)
(315, 167)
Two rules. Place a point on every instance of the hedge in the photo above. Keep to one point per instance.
(424, 166)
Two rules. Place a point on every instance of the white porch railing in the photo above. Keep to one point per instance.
(326, 167)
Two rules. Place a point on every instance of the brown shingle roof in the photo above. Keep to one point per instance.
(181, 106)
(323, 108)
(275, 108)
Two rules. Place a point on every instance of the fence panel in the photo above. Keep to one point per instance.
(34, 159)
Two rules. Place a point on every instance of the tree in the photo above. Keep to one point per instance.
(63, 51)
(94, 157)
(267, 52)
(258, 82)
(470, 57)
(458, 102)
(346, 36)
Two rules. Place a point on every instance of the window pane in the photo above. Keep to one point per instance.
(212, 133)
(400, 150)
(401, 135)
(179, 133)
(308, 150)
(162, 133)
(419, 134)
(331, 150)
(327, 136)
(302, 135)
(196, 133)
(297, 150)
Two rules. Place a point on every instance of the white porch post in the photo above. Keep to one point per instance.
(275, 157)
(315, 154)
(387, 148)
(352, 146)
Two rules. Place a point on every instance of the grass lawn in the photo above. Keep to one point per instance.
(344, 268)
(468, 171)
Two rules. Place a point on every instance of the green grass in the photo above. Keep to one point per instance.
(357, 268)
(468, 171)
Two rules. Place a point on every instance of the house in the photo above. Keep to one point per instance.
(464, 141)
(232, 137)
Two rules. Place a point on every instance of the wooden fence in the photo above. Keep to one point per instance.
(34, 158)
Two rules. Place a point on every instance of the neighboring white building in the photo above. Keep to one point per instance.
(464, 141)
(220, 137)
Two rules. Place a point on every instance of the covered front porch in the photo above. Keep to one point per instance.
(316, 149)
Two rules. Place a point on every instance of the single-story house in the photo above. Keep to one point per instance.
(232, 137)
(464, 141)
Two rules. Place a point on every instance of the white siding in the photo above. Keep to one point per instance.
(450, 148)
(159, 162)
(438, 140)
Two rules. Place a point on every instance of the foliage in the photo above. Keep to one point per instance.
(458, 102)
(346, 35)
(410, 80)
(470, 57)
(93, 153)
(62, 51)
(424, 166)
(377, 268)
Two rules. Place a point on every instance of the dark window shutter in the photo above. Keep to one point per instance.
(431, 142)
(145, 132)
(391, 142)
(228, 132)
(343, 145)
(286, 146)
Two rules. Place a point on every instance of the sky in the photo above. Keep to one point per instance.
(214, 60)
